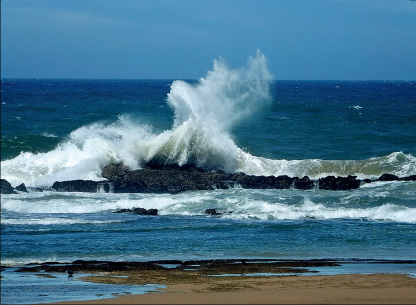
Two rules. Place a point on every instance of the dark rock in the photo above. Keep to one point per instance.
(253, 182)
(212, 212)
(260, 182)
(153, 211)
(155, 178)
(6, 187)
(171, 178)
(215, 212)
(114, 172)
(303, 183)
(168, 179)
(409, 178)
(142, 211)
(283, 182)
(123, 211)
(388, 177)
(87, 186)
(92, 266)
(339, 183)
(21, 188)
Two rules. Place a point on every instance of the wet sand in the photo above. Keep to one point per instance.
(317, 289)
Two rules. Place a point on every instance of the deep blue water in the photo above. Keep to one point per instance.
(70, 129)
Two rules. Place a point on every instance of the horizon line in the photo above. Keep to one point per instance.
(196, 79)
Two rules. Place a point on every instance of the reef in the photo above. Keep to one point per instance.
(175, 179)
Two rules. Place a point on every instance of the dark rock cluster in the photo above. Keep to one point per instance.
(87, 186)
(6, 187)
(140, 211)
(175, 179)
(217, 266)
(338, 183)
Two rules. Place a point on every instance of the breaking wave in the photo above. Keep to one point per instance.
(204, 114)
(390, 202)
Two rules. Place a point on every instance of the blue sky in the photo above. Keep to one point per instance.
(302, 39)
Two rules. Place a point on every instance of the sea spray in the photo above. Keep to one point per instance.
(204, 113)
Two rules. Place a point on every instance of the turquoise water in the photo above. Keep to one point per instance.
(231, 120)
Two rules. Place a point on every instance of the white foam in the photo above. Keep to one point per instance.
(244, 204)
(309, 210)
(48, 135)
(397, 163)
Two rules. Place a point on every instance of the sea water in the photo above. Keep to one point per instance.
(234, 120)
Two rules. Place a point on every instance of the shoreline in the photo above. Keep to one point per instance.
(317, 289)
(244, 281)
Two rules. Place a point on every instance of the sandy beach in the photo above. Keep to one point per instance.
(317, 289)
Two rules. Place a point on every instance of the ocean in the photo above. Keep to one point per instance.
(233, 120)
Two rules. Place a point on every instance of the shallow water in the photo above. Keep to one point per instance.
(34, 288)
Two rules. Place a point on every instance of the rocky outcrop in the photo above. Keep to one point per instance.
(303, 183)
(169, 179)
(86, 186)
(21, 188)
(409, 178)
(6, 187)
(124, 211)
(339, 183)
(175, 179)
(140, 211)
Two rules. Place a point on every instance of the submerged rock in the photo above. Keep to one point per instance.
(140, 211)
(215, 212)
(212, 212)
